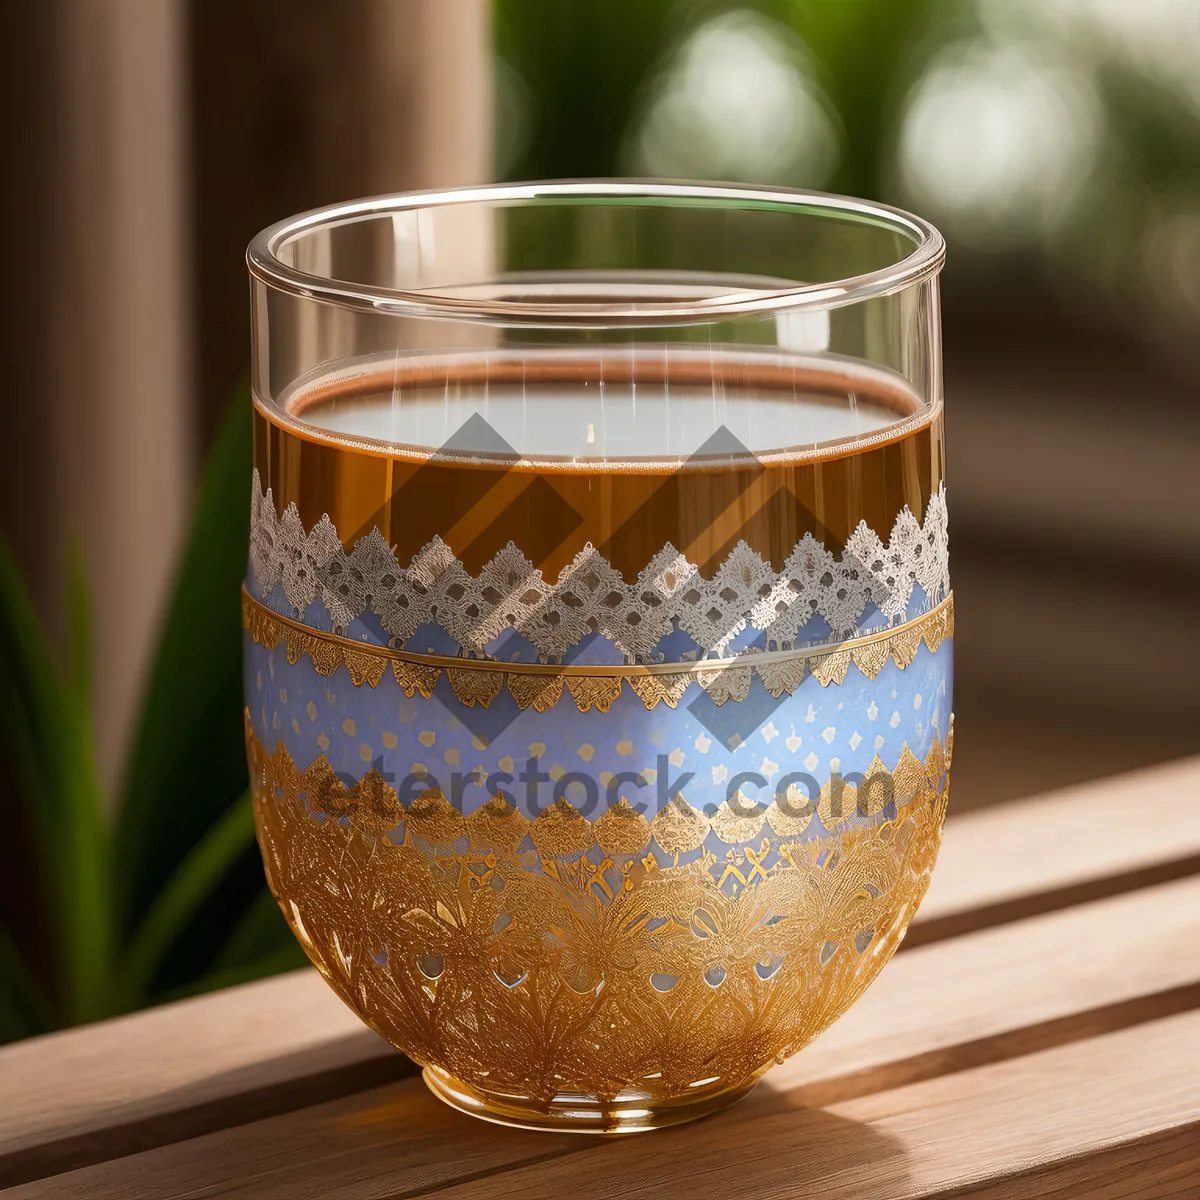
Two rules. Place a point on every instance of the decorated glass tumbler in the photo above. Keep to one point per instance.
(598, 627)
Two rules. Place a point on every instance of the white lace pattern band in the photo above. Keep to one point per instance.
(590, 596)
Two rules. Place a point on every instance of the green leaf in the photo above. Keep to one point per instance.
(31, 696)
(188, 760)
(24, 1008)
(84, 840)
(78, 670)
(192, 883)
(48, 733)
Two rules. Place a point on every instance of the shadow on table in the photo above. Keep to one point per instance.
(767, 1145)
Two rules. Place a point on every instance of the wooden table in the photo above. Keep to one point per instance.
(1039, 1034)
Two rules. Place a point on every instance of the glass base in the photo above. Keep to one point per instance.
(579, 1113)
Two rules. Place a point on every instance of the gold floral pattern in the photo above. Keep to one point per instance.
(537, 958)
(540, 685)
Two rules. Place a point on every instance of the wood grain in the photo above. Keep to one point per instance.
(972, 1004)
(87, 1094)
(1062, 976)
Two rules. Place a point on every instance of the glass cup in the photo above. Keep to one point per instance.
(598, 627)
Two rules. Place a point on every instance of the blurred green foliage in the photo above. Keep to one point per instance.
(157, 891)
(588, 66)
(584, 62)
(1056, 145)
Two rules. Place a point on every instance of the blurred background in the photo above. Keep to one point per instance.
(1055, 142)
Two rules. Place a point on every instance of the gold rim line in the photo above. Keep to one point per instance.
(479, 681)
(604, 670)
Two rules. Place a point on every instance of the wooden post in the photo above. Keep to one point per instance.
(157, 137)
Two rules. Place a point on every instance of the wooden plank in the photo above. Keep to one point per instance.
(1052, 985)
(86, 1094)
(193, 1067)
(1162, 1166)
(1064, 848)
(1053, 978)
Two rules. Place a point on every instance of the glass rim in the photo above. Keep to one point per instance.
(263, 256)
